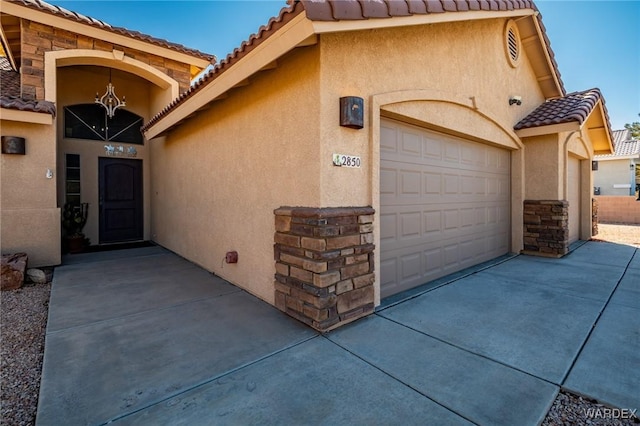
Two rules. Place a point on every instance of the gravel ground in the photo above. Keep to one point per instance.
(619, 233)
(24, 319)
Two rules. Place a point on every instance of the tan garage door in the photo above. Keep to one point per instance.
(444, 205)
(574, 199)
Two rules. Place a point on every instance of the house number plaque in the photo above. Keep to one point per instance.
(344, 160)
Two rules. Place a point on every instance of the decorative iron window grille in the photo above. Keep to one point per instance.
(90, 121)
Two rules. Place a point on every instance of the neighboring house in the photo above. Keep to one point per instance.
(617, 173)
(616, 180)
(370, 147)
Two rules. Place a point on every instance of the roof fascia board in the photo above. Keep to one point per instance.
(26, 116)
(7, 51)
(321, 27)
(547, 130)
(90, 31)
(547, 55)
(282, 41)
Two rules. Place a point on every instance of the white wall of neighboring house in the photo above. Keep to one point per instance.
(615, 177)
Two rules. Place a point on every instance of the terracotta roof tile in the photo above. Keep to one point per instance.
(67, 14)
(573, 107)
(11, 102)
(5, 65)
(375, 9)
(9, 83)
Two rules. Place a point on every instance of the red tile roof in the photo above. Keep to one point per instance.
(10, 95)
(325, 10)
(67, 14)
(358, 9)
(574, 107)
(9, 83)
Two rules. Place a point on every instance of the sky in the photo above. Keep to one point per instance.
(596, 43)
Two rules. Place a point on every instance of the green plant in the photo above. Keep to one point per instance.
(74, 218)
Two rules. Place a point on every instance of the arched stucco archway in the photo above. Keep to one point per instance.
(71, 78)
(115, 59)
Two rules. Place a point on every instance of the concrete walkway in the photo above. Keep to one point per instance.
(142, 336)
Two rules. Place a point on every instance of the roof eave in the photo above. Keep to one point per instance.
(528, 132)
(609, 157)
(544, 47)
(34, 117)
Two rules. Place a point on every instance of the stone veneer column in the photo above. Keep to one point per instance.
(546, 228)
(324, 264)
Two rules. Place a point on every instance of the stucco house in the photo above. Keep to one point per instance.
(615, 173)
(346, 152)
(616, 178)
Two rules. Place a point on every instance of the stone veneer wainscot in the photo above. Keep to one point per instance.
(324, 264)
(546, 227)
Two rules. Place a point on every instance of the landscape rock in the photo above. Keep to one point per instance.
(37, 276)
(12, 272)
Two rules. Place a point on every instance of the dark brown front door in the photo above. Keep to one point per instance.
(121, 207)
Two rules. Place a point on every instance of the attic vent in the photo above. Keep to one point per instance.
(512, 43)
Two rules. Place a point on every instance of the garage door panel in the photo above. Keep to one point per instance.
(388, 182)
(388, 229)
(410, 183)
(410, 225)
(404, 229)
(411, 145)
(444, 205)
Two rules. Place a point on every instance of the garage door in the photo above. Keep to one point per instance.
(444, 205)
(574, 199)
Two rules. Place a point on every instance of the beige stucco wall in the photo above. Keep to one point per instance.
(79, 84)
(438, 60)
(544, 168)
(30, 220)
(218, 177)
(612, 172)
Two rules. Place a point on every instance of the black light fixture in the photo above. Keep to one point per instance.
(352, 112)
(517, 100)
(13, 145)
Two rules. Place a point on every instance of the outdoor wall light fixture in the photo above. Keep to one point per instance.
(13, 145)
(352, 112)
(594, 165)
(109, 100)
(631, 166)
(517, 100)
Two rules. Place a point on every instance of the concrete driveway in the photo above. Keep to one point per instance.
(142, 336)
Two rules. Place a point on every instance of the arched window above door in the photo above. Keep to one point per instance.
(90, 121)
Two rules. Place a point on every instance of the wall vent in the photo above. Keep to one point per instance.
(512, 43)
